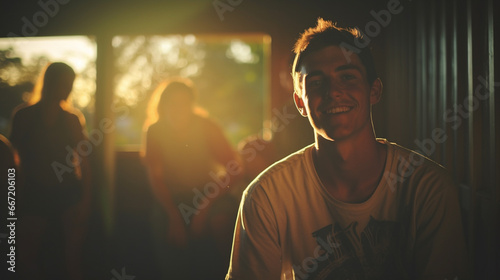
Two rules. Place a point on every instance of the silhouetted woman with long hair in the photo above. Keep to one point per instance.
(54, 202)
(187, 154)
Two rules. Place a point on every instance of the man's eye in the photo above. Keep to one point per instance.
(348, 77)
(315, 83)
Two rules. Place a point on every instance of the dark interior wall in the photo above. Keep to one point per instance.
(442, 67)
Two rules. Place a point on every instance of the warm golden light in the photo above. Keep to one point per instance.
(30, 54)
(229, 71)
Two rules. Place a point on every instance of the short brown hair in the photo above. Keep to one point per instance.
(327, 33)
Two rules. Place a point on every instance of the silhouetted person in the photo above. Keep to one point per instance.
(10, 177)
(7, 155)
(49, 138)
(8, 159)
(349, 206)
(190, 164)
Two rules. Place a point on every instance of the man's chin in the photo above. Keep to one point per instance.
(333, 136)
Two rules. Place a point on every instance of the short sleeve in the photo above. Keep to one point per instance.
(440, 248)
(256, 251)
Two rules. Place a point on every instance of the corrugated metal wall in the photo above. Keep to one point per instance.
(443, 86)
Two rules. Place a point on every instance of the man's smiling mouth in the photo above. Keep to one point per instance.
(338, 110)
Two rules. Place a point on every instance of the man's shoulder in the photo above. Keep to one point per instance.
(24, 110)
(417, 170)
(291, 163)
(414, 159)
(278, 176)
(74, 115)
(156, 129)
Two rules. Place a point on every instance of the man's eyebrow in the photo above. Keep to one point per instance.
(338, 69)
(315, 73)
(348, 67)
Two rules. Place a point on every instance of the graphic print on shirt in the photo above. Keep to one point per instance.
(345, 254)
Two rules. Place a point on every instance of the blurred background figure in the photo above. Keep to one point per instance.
(284, 133)
(8, 165)
(49, 137)
(190, 164)
(8, 157)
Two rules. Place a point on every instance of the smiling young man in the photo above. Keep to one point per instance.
(351, 206)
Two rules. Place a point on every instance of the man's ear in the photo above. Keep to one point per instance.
(376, 91)
(299, 103)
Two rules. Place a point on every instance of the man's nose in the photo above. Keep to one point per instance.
(333, 90)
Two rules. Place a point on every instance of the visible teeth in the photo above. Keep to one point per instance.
(338, 110)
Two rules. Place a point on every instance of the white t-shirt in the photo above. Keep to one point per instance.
(290, 227)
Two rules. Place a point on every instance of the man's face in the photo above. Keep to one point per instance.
(336, 95)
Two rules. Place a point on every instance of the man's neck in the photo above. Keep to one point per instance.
(350, 169)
